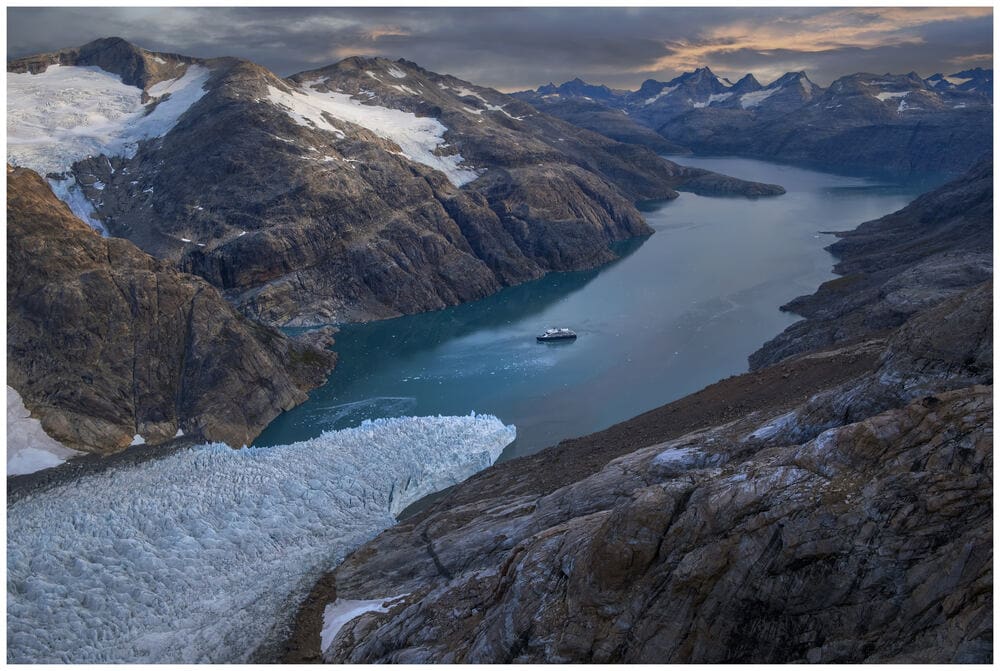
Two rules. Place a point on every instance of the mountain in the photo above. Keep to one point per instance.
(576, 88)
(832, 507)
(892, 123)
(107, 345)
(362, 190)
(596, 108)
(976, 80)
(938, 246)
(899, 124)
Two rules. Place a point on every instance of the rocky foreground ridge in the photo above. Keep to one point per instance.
(362, 190)
(106, 343)
(834, 506)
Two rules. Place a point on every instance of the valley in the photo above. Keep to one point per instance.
(275, 393)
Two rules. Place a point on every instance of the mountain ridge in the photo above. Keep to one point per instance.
(351, 182)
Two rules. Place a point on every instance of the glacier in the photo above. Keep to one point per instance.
(67, 113)
(202, 555)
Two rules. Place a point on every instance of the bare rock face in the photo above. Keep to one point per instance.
(933, 249)
(105, 342)
(763, 539)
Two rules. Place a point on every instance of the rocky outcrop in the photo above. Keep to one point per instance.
(105, 342)
(832, 507)
(305, 202)
(136, 67)
(934, 248)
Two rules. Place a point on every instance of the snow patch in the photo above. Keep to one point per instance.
(755, 98)
(714, 98)
(137, 440)
(662, 94)
(889, 95)
(342, 611)
(195, 556)
(68, 191)
(29, 448)
(67, 113)
(417, 137)
(396, 72)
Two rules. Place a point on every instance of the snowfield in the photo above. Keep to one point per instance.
(68, 113)
(29, 448)
(755, 98)
(418, 137)
(203, 555)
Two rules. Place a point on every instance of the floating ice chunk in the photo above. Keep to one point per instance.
(197, 556)
(342, 611)
(29, 448)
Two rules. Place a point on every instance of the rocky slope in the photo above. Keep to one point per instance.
(938, 246)
(900, 124)
(366, 189)
(832, 507)
(105, 343)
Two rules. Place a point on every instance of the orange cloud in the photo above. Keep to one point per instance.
(859, 27)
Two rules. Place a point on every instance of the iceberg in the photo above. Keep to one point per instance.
(203, 555)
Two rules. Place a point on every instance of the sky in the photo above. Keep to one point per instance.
(519, 48)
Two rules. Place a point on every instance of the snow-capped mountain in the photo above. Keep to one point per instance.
(896, 123)
(977, 80)
(366, 189)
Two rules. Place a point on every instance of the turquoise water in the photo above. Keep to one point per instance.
(678, 310)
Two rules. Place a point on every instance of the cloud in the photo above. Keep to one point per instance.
(521, 48)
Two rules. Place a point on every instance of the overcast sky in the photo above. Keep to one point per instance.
(513, 49)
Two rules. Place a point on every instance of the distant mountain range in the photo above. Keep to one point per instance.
(897, 123)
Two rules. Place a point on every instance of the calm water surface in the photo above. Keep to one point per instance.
(679, 310)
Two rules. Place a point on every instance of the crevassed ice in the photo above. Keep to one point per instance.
(29, 448)
(417, 137)
(196, 556)
(67, 113)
